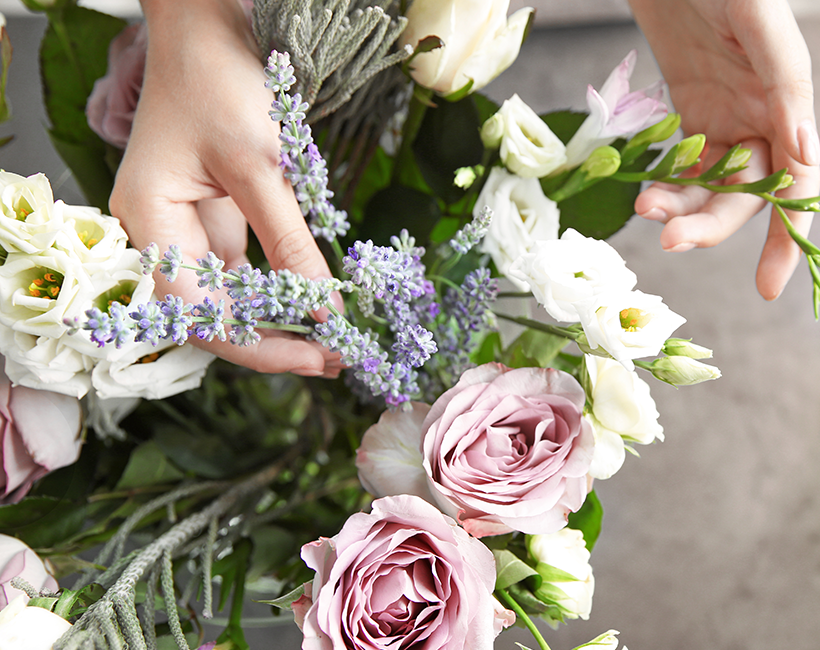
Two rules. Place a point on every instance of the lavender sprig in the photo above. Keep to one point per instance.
(472, 233)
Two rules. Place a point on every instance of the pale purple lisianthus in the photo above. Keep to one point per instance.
(113, 100)
(39, 432)
(404, 576)
(616, 112)
(18, 561)
(503, 450)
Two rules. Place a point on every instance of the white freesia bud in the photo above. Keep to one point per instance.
(529, 148)
(602, 162)
(622, 411)
(605, 641)
(685, 348)
(564, 273)
(628, 325)
(683, 371)
(522, 216)
(480, 42)
(29, 628)
(566, 552)
(465, 177)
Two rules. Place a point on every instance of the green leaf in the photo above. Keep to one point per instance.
(375, 177)
(601, 210)
(551, 573)
(403, 205)
(448, 139)
(588, 519)
(485, 106)
(444, 230)
(235, 575)
(564, 124)
(537, 346)
(510, 569)
(42, 522)
(272, 547)
(147, 465)
(73, 55)
(489, 349)
(285, 602)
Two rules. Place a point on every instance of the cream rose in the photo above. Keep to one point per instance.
(480, 42)
(522, 216)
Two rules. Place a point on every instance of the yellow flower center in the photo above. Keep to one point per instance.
(22, 208)
(633, 319)
(87, 239)
(46, 284)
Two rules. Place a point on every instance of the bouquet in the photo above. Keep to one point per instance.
(439, 491)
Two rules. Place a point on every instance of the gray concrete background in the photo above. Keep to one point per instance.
(712, 538)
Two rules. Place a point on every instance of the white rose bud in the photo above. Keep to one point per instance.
(29, 628)
(563, 563)
(683, 371)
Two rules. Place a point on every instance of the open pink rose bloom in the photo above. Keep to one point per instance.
(502, 450)
(404, 576)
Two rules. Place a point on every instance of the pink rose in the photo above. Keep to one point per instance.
(404, 576)
(39, 432)
(502, 450)
(113, 100)
(18, 560)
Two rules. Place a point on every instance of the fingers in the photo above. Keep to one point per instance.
(778, 53)
(699, 218)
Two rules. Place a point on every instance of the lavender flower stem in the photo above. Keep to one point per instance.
(544, 327)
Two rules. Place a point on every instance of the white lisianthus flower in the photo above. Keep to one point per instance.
(151, 372)
(480, 42)
(566, 272)
(522, 216)
(622, 411)
(97, 240)
(124, 283)
(627, 325)
(570, 588)
(27, 220)
(38, 291)
(29, 628)
(44, 362)
(529, 148)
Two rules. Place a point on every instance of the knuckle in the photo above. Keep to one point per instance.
(292, 249)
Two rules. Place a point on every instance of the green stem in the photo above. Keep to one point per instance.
(510, 602)
(55, 19)
(544, 327)
(415, 115)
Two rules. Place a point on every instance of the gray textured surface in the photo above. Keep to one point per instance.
(712, 538)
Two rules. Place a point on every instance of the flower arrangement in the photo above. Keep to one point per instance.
(443, 489)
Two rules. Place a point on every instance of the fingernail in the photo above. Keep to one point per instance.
(337, 301)
(809, 142)
(307, 372)
(655, 214)
(681, 248)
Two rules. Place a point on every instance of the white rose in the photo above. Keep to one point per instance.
(30, 628)
(628, 324)
(27, 220)
(97, 240)
(479, 41)
(567, 552)
(522, 216)
(622, 411)
(38, 291)
(151, 372)
(566, 272)
(529, 148)
(17, 560)
(44, 362)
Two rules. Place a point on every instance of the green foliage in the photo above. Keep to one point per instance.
(510, 569)
(73, 54)
(42, 522)
(588, 520)
(397, 204)
(534, 348)
(148, 466)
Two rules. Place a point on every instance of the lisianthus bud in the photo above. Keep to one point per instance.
(685, 348)
(682, 371)
(688, 151)
(492, 131)
(659, 132)
(602, 162)
(465, 176)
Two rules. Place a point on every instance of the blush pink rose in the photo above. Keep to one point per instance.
(113, 100)
(18, 560)
(39, 432)
(503, 450)
(404, 576)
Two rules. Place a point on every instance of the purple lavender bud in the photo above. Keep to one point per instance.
(414, 346)
(149, 323)
(287, 108)
(170, 263)
(279, 72)
(244, 282)
(215, 327)
(122, 331)
(473, 232)
(99, 324)
(149, 258)
(177, 320)
(209, 272)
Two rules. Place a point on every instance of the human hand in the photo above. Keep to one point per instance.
(202, 163)
(738, 71)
